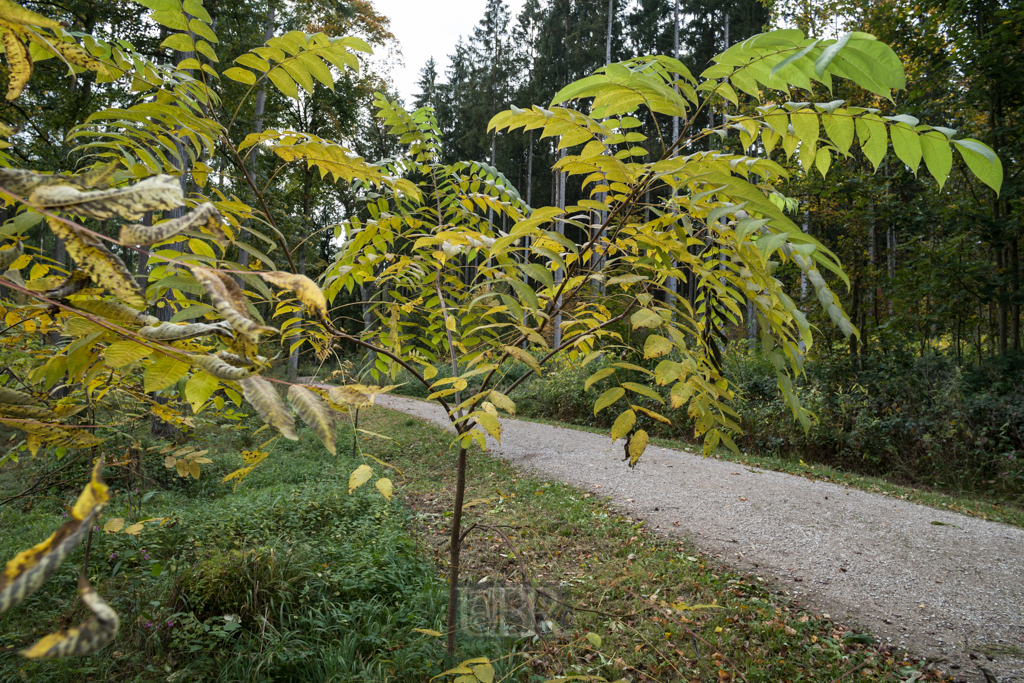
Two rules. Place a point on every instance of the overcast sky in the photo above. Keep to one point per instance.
(430, 28)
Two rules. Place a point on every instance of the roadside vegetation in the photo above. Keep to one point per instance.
(290, 578)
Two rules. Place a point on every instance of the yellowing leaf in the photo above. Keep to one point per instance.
(87, 638)
(229, 300)
(103, 267)
(623, 424)
(200, 388)
(525, 357)
(123, 353)
(489, 423)
(657, 346)
(304, 288)
(645, 317)
(14, 13)
(165, 371)
(203, 216)
(637, 446)
(264, 398)
(315, 413)
(359, 476)
(502, 401)
(114, 525)
(29, 569)
(19, 64)
(385, 487)
(607, 398)
(131, 202)
(428, 632)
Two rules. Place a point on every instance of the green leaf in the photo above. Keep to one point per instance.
(874, 141)
(805, 125)
(907, 146)
(840, 129)
(938, 156)
(623, 424)
(982, 161)
(607, 398)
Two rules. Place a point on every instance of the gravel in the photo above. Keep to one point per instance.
(941, 584)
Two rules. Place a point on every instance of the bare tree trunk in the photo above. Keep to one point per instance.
(257, 127)
(1014, 294)
(455, 549)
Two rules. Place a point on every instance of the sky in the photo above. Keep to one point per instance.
(430, 28)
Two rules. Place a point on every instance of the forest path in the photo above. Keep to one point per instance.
(941, 584)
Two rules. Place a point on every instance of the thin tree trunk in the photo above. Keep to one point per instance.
(1014, 294)
(455, 549)
(257, 127)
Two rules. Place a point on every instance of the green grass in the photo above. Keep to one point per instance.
(289, 578)
(635, 590)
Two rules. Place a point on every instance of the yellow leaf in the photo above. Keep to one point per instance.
(134, 529)
(449, 322)
(16, 14)
(360, 476)
(623, 424)
(522, 356)
(165, 371)
(168, 331)
(315, 413)
(182, 468)
(637, 446)
(29, 569)
(220, 369)
(264, 398)
(19, 64)
(103, 267)
(114, 525)
(131, 202)
(199, 388)
(657, 346)
(79, 57)
(123, 353)
(385, 487)
(428, 632)
(502, 401)
(193, 469)
(304, 288)
(95, 633)
(229, 300)
(203, 216)
(12, 254)
(490, 423)
(170, 461)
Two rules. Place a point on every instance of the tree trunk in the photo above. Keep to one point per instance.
(257, 127)
(455, 549)
(1014, 294)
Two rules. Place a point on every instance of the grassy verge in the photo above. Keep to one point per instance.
(966, 504)
(643, 606)
(288, 578)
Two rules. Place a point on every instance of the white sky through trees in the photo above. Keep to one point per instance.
(431, 28)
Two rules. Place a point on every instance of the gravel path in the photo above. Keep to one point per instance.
(942, 590)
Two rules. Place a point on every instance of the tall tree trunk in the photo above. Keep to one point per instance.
(1014, 294)
(257, 127)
